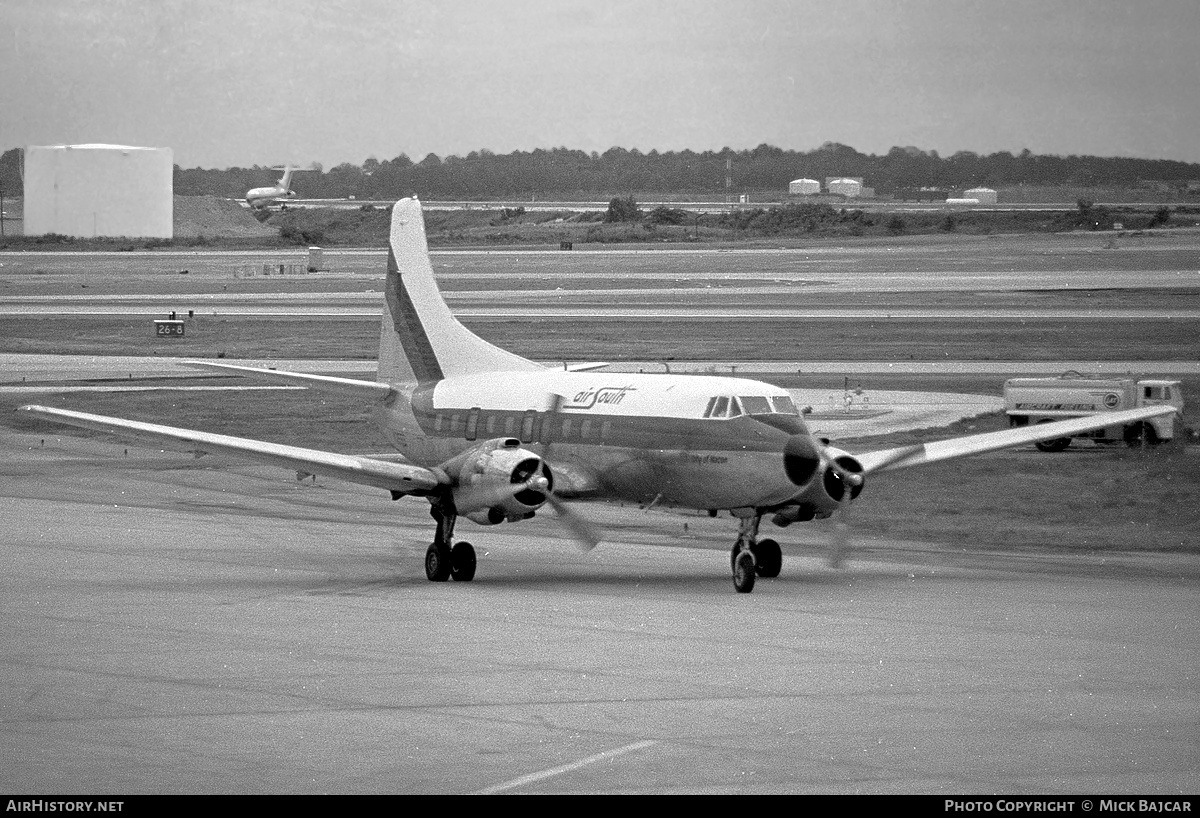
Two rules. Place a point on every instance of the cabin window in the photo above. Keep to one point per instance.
(784, 406)
(755, 405)
(585, 428)
(605, 430)
(438, 421)
(1157, 392)
(735, 408)
(490, 425)
(566, 429)
(473, 424)
(527, 430)
(510, 423)
(456, 424)
(708, 410)
(720, 408)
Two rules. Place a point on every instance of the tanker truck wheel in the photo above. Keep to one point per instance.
(1055, 445)
(1140, 434)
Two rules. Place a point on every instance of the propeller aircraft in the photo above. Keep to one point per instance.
(493, 437)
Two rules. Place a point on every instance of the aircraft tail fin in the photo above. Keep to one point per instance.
(420, 340)
(286, 181)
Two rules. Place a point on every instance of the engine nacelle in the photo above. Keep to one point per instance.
(823, 487)
(500, 481)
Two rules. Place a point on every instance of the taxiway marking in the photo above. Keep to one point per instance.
(565, 768)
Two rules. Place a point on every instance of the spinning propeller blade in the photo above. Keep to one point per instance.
(585, 534)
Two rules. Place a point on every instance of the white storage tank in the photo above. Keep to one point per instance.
(846, 187)
(804, 187)
(985, 195)
(99, 190)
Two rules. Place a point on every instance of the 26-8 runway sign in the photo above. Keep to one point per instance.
(168, 329)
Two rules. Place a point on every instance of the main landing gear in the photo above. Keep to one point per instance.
(443, 560)
(752, 557)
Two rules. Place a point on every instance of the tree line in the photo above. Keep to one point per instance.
(562, 173)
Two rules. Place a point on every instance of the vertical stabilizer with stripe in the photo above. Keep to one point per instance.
(420, 339)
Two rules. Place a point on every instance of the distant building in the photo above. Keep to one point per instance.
(804, 187)
(985, 195)
(99, 190)
(844, 186)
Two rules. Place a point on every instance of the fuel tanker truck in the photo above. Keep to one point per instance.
(1072, 394)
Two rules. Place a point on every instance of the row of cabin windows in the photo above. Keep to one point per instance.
(532, 425)
(529, 427)
(729, 407)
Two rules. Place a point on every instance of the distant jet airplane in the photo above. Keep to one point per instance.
(493, 437)
(260, 197)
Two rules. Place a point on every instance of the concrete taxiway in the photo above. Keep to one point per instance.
(170, 625)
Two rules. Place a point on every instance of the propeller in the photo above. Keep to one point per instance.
(586, 535)
(840, 546)
(851, 485)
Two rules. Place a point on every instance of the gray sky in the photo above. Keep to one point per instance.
(244, 82)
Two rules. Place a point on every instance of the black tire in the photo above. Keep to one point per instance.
(462, 562)
(768, 558)
(1058, 444)
(1139, 435)
(743, 573)
(733, 554)
(437, 563)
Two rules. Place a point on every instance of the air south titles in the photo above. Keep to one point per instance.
(1081, 805)
(604, 396)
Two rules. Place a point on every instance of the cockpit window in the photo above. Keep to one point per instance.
(728, 407)
(755, 405)
(784, 406)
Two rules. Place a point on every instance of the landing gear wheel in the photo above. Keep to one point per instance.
(768, 558)
(437, 562)
(743, 573)
(462, 562)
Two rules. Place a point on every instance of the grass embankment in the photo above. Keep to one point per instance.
(492, 225)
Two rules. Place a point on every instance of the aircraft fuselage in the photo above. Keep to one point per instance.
(702, 442)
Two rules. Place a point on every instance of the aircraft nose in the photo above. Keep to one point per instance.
(801, 459)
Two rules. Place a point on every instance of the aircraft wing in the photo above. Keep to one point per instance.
(918, 455)
(396, 477)
(326, 383)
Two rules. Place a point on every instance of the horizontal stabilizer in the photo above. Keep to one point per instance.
(395, 477)
(919, 454)
(370, 390)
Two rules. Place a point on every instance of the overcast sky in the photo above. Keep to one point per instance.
(244, 82)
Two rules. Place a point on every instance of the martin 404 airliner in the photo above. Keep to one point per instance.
(493, 437)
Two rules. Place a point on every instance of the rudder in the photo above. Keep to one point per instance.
(420, 339)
